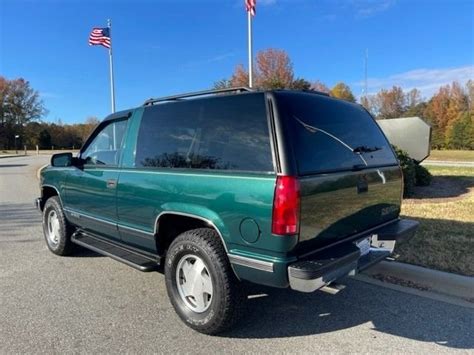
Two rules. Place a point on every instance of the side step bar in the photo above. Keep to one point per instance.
(120, 253)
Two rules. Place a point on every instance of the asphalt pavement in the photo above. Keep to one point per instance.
(91, 304)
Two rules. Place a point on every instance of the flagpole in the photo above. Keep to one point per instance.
(249, 16)
(111, 66)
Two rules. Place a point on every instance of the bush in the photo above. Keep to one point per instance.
(409, 171)
(422, 176)
(413, 173)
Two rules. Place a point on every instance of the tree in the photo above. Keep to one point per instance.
(240, 77)
(443, 109)
(300, 84)
(342, 91)
(19, 104)
(22, 103)
(460, 132)
(44, 140)
(470, 94)
(319, 86)
(413, 98)
(274, 69)
(389, 103)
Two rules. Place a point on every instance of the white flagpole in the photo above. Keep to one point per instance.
(249, 16)
(111, 66)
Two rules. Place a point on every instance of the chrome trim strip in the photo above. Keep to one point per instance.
(252, 263)
(192, 216)
(69, 210)
(136, 230)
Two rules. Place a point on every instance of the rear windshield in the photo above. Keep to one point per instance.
(227, 132)
(324, 132)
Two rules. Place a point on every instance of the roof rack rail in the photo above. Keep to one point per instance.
(150, 102)
(316, 92)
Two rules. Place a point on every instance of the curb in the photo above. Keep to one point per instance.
(440, 282)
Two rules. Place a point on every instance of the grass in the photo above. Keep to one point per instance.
(445, 239)
(452, 155)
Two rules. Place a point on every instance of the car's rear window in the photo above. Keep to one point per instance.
(228, 132)
(323, 132)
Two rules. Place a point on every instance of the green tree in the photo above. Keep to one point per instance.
(460, 132)
(342, 91)
(19, 104)
(44, 139)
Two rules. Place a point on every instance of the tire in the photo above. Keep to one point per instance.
(57, 231)
(199, 255)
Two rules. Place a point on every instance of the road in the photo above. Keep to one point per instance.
(92, 304)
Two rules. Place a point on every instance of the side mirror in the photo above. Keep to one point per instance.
(61, 160)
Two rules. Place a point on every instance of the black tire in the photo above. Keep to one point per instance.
(226, 304)
(61, 243)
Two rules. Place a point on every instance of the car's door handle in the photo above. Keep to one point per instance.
(111, 184)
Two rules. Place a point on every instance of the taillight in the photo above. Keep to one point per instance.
(286, 206)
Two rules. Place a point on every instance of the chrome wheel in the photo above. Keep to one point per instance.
(194, 283)
(53, 232)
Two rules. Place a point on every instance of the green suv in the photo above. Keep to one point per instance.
(289, 189)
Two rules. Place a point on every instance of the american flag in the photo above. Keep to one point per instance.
(100, 36)
(250, 6)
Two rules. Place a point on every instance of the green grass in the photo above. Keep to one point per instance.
(445, 239)
(452, 155)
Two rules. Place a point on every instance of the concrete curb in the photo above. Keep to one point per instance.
(440, 282)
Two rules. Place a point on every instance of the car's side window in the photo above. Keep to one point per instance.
(107, 145)
(221, 133)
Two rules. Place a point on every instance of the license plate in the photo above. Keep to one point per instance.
(364, 246)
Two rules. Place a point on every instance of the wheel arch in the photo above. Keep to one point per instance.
(48, 191)
(193, 220)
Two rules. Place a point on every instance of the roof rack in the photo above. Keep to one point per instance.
(150, 102)
(316, 92)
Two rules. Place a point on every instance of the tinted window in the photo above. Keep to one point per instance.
(323, 132)
(105, 148)
(223, 132)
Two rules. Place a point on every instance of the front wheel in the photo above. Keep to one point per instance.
(56, 229)
(200, 282)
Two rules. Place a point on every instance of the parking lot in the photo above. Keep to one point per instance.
(89, 303)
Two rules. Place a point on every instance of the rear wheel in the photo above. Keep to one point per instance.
(201, 285)
(56, 229)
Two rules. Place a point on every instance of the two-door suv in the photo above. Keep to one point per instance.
(281, 188)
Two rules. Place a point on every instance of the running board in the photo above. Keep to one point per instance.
(120, 253)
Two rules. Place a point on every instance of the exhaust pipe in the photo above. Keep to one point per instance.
(332, 288)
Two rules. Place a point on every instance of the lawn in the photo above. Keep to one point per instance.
(445, 239)
(452, 155)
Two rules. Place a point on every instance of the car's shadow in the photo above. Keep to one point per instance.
(276, 313)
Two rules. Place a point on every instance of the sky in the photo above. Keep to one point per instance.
(164, 47)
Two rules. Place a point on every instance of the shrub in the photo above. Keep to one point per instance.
(409, 171)
(422, 176)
